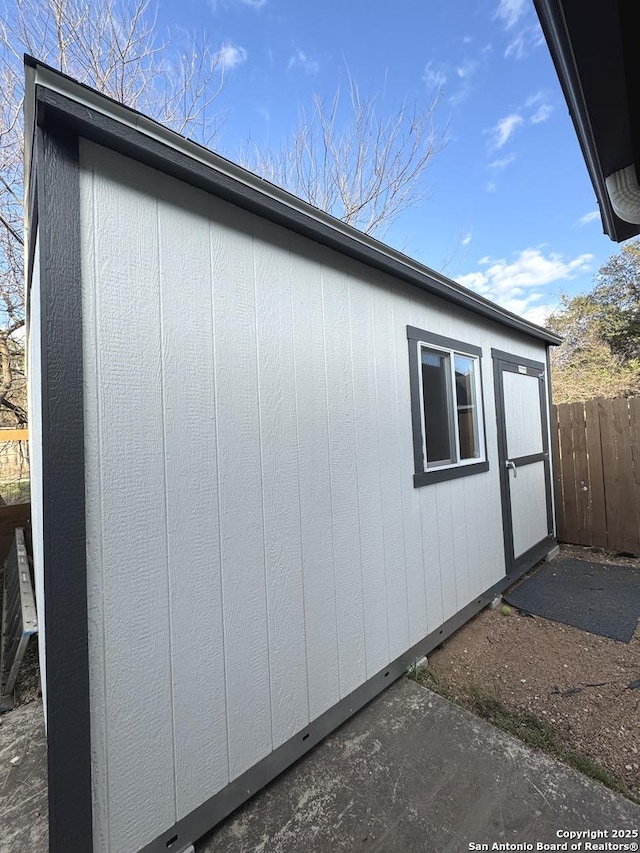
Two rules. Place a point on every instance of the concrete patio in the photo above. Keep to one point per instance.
(411, 772)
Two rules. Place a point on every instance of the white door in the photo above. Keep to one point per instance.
(523, 446)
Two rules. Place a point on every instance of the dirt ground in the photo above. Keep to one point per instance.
(586, 686)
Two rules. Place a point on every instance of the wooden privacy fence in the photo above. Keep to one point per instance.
(597, 479)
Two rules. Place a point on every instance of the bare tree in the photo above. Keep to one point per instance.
(365, 169)
(113, 46)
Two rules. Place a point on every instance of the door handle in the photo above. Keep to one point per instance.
(512, 466)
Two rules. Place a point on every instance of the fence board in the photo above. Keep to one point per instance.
(570, 531)
(598, 513)
(557, 480)
(627, 518)
(610, 470)
(581, 472)
(634, 422)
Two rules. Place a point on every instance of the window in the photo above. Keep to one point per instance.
(447, 412)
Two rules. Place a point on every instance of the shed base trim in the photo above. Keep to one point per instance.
(212, 812)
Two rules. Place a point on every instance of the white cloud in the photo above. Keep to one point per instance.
(511, 11)
(534, 111)
(230, 55)
(533, 100)
(466, 239)
(502, 162)
(539, 106)
(458, 78)
(539, 314)
(505, 128)
(517, 48)
(526, 39)
(541, 114)
(304, 62)
(516, 285)
(537, 35)
(434, 76)
(467, 69)
(589, 217)
(491, 187)
(220, 5)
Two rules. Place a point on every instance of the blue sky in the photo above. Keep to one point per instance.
(511, 211)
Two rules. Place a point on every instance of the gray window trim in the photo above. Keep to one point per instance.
(414, 334)
(439, 475)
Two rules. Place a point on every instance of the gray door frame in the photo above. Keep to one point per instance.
(504, 362)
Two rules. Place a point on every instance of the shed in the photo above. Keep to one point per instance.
(274, 463)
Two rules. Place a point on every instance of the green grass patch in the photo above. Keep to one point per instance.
(525, 725)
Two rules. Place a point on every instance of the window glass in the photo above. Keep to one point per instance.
(435, 391)
(466, 406)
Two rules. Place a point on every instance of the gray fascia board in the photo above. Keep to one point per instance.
(235, 184)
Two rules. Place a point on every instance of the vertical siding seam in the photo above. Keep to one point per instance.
(296, 407)
(98, 350)
(465, 488)
(399, 444)
(217, 451)
(333, 539)
(477, 550)
(423, 569)
(355, 439)
(264, 520)
(437, 538)
(163, 404)
(377, 395)
(450, 496)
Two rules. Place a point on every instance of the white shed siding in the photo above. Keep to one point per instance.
(316, 529)
(365, 385)
(390, 470)
(244, 594)
(130, 632)
(193, 530)
(256, 548)
(277, 407)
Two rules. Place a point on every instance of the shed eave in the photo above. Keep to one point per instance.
(588, 78)
(85, 106)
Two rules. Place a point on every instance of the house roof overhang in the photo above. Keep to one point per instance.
(592, 44)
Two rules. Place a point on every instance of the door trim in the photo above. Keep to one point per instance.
(508, 362)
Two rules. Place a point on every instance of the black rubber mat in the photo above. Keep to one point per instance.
(596, 597)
